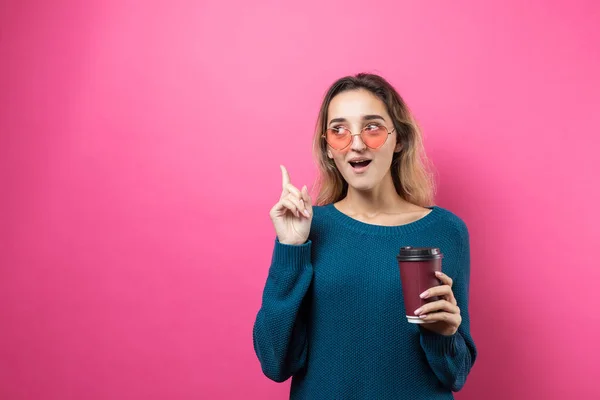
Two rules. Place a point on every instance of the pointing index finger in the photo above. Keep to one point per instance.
(285, 177)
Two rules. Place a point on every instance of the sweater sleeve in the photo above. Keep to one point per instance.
(279, 333)
(452, 357)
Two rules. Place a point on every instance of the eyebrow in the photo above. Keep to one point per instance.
(369, 117)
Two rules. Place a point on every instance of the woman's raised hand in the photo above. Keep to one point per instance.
(292, 214)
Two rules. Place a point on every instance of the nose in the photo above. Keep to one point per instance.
(357, 143)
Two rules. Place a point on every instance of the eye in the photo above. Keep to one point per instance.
(339, 130)
(372, 127)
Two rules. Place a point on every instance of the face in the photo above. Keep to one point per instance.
(353, 112)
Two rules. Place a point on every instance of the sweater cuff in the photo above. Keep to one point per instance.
(438, 344)
(292, 256)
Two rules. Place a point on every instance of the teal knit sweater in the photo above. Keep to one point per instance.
(332, 314)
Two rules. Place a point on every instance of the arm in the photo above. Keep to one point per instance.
(452, 357)
(279, 333)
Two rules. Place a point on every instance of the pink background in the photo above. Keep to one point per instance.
(139, 153)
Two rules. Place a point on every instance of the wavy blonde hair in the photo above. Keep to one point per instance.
(411, 169)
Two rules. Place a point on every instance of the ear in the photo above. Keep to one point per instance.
(329, 154)
(398, 148)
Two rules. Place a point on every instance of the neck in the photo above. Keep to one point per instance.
(381, 199)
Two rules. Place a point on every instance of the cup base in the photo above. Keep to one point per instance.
(416, 320)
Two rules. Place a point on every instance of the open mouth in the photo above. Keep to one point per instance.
(360, 164)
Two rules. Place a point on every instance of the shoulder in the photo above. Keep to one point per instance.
(450, 221)
(453, 231)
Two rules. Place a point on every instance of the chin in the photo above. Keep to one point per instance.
(361, 184)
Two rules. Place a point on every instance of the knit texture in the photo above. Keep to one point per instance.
(332, 314)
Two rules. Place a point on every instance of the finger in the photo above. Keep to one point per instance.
(281, 207)
(285, 177)
(307, 199)
(289, 204)
(293, 190)
(442, 290)
(294, 193)
(297, 202)
(438, 306)
(451, 319)
(446, 280)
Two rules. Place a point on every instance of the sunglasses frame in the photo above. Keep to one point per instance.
(324, 136)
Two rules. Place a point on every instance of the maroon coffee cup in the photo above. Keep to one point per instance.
(417, 274)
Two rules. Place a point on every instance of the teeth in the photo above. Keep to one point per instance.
(362, 162)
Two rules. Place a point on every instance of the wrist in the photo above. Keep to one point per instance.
(292, 242)
(437, 331)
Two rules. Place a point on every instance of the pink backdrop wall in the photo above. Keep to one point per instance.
(139, 153)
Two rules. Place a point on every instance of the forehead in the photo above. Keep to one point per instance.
(353, 104)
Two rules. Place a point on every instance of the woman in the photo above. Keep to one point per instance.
(332, 315)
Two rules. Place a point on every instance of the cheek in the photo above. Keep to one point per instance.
(339, 161)
(385, 154)
(336, 156)
(384, 158)
(389, 150)
(391, 144)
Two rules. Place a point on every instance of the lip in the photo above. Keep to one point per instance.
(360, 170)
(353, 159)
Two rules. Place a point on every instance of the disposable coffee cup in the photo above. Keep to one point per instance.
(417, 274)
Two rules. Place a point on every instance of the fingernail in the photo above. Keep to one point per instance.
(418, 311)
(423, 316)
(307, 213)
(438, 273)
(424, 294)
